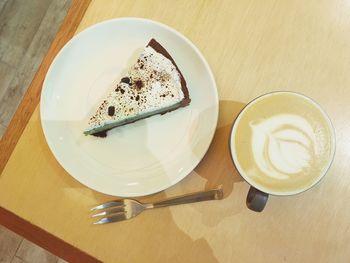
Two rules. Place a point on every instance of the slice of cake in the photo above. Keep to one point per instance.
(153, 85)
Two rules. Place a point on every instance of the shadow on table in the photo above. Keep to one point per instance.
(216, 169)
(217, 166)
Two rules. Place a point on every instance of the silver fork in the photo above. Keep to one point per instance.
(119, 210)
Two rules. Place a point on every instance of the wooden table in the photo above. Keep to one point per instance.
(253, 47)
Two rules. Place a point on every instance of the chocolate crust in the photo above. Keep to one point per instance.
(160, 49)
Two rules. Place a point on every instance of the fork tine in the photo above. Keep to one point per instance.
(111, 219)
(108, 204)
(118, 209)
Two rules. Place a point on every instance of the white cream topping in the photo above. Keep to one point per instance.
(155, 84)
(283, 145)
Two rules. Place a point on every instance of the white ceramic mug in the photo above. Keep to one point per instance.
(258, 193)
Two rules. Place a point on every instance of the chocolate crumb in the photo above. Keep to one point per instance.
(122, 91)
(111, 110)
(151, 75)
(137, 97)
(139, 84)
(141, 67)
(125, 80)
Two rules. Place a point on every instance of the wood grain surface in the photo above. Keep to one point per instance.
(32, 50)
(17, 37)
(253, 47)
(31, 99)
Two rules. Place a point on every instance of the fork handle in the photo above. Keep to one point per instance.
(215, 194)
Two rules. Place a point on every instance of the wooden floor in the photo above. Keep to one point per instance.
(27, 28)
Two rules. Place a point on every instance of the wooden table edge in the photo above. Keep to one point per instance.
(44, 239)
(14, 131)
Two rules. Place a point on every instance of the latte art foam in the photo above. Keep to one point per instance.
(282, 143)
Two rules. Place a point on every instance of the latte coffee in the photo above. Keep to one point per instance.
(282, 143)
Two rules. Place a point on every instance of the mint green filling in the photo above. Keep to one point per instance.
(131, 119)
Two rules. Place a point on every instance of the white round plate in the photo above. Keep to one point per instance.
(137, 159)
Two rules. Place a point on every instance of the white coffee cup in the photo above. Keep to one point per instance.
(290, 145)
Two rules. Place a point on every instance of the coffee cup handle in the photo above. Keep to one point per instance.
(256, 199)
